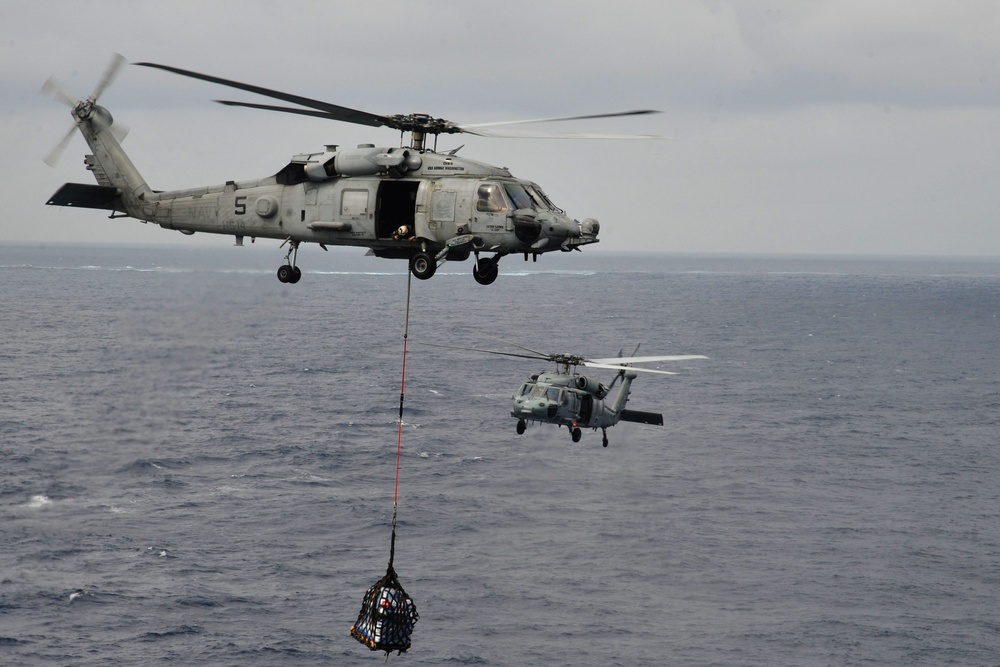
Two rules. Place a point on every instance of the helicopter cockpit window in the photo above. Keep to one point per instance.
(518, 195)
(541, 200)
(490, 199)
(525, 389)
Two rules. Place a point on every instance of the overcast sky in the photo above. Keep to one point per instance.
(841, 127)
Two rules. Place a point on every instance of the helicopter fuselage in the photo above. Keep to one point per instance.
(444, 197)
(563, 399)
(576, 401)
(401, 203)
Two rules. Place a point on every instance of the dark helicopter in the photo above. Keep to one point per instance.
(566, 398)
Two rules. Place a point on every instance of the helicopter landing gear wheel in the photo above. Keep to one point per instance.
(521, 426)
(422, 265)
(604, 432)
(289, 274)
(485, 271)
(576, 434)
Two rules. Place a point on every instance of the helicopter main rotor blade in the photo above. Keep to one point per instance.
(557, 135)
(483, 129)
(477, 349)
(332, 111)
(272, 107)
(614, 114)
(621, 361)
(619, 367)
(404, 122)
(539, 355)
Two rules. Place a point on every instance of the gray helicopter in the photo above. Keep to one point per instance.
(401, 202)
(565, 398)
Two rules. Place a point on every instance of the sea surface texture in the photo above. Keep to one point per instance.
(197, 462)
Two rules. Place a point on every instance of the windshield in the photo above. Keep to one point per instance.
(548, 393)
(541, 199)
(518, 195)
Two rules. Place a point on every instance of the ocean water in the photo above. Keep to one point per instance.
(197, 462)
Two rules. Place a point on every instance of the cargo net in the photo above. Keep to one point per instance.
(387, 616)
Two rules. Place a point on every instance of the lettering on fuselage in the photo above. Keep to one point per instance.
(202, 213)
(234, 225)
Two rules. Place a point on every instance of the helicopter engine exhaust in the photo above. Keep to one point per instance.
(592, 386)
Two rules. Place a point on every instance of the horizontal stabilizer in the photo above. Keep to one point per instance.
(80, 195)
(641, 417)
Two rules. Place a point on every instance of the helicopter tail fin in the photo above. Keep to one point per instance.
(119, 187)
(618, 405)
(621, 399)
(112, 168)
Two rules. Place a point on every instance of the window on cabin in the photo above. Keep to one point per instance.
(490, 199)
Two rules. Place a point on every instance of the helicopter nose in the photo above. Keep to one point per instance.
(545, 409)
(561, 227)
(535, 409)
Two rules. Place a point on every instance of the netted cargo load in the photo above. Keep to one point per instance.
(387, 616)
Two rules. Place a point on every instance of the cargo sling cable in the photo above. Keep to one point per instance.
(388, 615)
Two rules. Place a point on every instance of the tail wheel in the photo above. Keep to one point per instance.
(422, 265)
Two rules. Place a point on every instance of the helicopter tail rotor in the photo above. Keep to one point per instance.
(82, 108)
(53, 88)
(110, 74)
(52, 157)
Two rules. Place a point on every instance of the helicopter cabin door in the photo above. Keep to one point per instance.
(396, 205)
(492, 210)
(586, 408)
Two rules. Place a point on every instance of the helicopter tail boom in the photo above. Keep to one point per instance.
(119, 187)
(109, 163)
